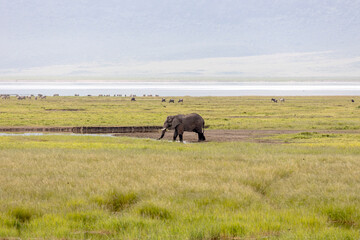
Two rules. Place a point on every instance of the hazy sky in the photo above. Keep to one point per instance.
(253, 38)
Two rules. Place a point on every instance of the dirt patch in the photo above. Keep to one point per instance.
(219, 135)
(66, 109)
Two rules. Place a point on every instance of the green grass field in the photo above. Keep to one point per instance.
(218, 112)
(305, 186)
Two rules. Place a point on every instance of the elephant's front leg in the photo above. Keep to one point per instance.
(175, 134)
(180, 131)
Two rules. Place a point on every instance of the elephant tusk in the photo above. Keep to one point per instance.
(163, 129)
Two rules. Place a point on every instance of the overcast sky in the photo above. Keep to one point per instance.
(253, 38)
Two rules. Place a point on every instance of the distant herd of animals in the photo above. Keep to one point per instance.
(132, 97)
(18, 97)
(40, 96)
(275, 100)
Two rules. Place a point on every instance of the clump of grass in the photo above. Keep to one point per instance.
(155, 212)
(83, 217)
(305, 135)
(117, 201)
(233, 230)
(213, 233)
(259, 185)
(22, 214)
(342, 216)
(197, 235)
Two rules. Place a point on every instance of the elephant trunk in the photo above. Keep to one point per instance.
(162, 133)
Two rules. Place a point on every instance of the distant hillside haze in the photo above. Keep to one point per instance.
(139, 38)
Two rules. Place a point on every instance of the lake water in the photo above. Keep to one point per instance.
(184, 88)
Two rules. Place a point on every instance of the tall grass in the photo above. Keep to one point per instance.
(78, 187)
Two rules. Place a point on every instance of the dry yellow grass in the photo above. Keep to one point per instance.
(182, 191)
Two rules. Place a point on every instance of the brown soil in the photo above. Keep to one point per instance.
(229, 135)
(66, 109)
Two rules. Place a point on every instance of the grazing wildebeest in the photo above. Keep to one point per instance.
(282, 99)
(56, 95)
(274, 100)
(133, 99)
(171, 101)
(163, 100)
(181, 100)
(352, 100)
(5, 96)
(190, 123)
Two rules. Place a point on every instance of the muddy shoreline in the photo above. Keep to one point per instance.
(154, 132)
(241, 135)
(84, 129)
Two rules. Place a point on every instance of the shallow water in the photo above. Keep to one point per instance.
(51, 134)
(185, 88)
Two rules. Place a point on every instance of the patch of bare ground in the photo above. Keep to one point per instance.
(220, 135)
(217, 135)
(65, 109)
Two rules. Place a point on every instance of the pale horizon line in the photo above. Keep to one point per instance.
(324, 64)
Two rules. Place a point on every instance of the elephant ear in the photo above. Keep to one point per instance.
(176, 121)
(169, 119)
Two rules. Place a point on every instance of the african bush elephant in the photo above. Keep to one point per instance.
(191, 123)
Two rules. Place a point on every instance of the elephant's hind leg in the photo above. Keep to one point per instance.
(201, 136)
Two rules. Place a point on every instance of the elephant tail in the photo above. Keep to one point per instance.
(203, 127)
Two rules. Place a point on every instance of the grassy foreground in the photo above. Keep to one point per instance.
(335, 113)
(91, 187)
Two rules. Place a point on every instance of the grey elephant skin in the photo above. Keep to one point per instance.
(184, 123)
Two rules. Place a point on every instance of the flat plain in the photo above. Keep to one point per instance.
(294, 172)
